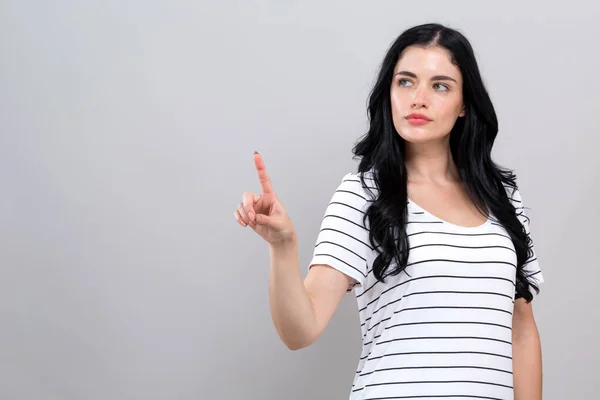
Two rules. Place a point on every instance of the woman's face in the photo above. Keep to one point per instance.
(426, 82)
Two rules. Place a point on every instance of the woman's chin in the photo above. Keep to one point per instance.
(417, 135)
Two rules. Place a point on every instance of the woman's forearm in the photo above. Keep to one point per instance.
(527, 363)
(291, 307)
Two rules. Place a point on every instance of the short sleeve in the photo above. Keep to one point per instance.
(343, 240)
(532, 266)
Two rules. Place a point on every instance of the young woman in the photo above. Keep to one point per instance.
(430, 234)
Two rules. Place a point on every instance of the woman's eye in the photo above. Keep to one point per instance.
(441, 87)
(403, 82)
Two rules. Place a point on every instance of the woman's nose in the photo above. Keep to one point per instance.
(419, 98)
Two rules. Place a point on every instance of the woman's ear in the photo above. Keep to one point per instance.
(463, 111)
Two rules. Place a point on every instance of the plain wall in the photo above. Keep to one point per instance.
(127, 130)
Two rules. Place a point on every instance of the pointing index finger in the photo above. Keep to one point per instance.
(263, 176)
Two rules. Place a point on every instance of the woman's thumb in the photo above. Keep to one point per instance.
(262, 219)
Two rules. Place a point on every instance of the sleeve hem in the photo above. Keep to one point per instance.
(336, 264)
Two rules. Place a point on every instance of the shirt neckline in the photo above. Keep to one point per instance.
(487, 222)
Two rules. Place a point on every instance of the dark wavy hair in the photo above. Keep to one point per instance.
(382, 150)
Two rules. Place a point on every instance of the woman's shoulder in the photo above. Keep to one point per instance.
(359, 183)
(514, 197)
(513, 193)
(356, 176)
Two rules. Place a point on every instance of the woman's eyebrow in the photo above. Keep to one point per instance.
(443, 78)
(434, 78)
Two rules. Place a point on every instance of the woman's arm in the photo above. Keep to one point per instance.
(527, 353)
(302, 309)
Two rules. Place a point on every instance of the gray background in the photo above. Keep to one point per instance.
(126, 136)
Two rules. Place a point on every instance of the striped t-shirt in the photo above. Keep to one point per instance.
(442, 328)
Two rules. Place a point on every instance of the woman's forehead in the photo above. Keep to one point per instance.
(427, 61)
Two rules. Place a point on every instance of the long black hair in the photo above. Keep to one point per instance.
(382, 150)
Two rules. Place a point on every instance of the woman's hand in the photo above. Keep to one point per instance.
(264, 213)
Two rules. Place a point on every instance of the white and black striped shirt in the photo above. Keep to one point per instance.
(442, 328)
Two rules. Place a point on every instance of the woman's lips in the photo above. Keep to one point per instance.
(418, 121)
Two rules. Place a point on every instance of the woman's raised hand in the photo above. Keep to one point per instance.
(264, 213)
